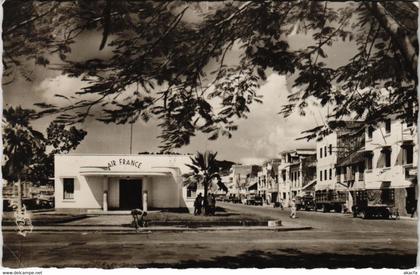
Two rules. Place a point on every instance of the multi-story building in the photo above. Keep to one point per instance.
(381, 157)
(302, 170)
(268, 181)
(350, 164)
(338, 158)
(391, 162)
(296, 173)
(284, 177)
(243, 176)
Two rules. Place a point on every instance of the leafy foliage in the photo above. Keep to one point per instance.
(168, 56)
(205, 169)
(26, 149)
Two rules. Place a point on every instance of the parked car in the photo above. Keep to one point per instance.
(233, 198)
(254, 200)
(258, 200)
(305, 202)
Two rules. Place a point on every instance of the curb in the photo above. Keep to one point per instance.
(157, 229)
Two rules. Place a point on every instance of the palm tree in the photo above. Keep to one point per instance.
(21, 143)
(204, 168)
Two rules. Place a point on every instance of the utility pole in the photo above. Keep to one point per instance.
(131, 138)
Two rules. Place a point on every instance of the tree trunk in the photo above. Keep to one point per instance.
(19, 197)
(399, 36)
(205, 202)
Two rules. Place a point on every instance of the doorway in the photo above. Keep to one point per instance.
(130, 194)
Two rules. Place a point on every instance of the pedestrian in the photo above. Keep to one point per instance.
(198, 204)
(293, 209)
(213, 204)
(209, 204)
(414, 209)
(138, 221)
(281, 204)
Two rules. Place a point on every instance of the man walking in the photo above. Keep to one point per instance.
(198, 204)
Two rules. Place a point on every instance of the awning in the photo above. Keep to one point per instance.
(253, 186)
(407, 143)
(323, 186)
(123, 173)
(357, 185)
(353, 158)
(386, 148)
(105, 171)
(387, 185)
(310, 184)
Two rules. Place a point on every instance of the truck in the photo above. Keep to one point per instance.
(372, 203)
(305, 202)
(327, 200)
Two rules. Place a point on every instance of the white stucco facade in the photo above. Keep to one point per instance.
(395, 174)
(120, 181)
(326, 160)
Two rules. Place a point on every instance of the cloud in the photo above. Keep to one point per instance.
(266, 133)
(251, 161)
(61, 84)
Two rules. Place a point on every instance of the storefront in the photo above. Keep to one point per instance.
(120, 182)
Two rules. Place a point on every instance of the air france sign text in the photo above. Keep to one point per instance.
(125, 162)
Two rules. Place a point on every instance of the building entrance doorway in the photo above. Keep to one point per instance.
(130, 194)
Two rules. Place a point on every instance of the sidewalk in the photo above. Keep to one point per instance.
(122, 229)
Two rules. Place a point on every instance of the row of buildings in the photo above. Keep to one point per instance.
(353, 157)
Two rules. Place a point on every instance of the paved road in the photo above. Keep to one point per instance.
(336, 241)
(332, 222)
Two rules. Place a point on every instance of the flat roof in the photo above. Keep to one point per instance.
(132, 155)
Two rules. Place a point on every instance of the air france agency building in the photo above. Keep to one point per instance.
(120, 182)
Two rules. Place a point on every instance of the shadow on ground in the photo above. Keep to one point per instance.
(288, 258)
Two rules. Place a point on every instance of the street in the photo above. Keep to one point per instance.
(336, 240)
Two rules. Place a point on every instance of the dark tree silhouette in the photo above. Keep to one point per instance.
(161, 59)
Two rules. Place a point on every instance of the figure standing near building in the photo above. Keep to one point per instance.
(198, 204)
(212, 204)
(209, 208)
(293, 209)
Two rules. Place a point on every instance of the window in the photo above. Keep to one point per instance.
(408, 154)
(330, 149)
(325, 174)
(388, 126)
(68, 188)
(320, 175)
(337, 173)
(387, 157)
(330, 174)
(325, 151)
(370, 132)
(369, 162)
(320, 152)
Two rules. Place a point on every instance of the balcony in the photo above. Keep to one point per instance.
(410, 171)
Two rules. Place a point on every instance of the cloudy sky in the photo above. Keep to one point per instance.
(263, 135)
